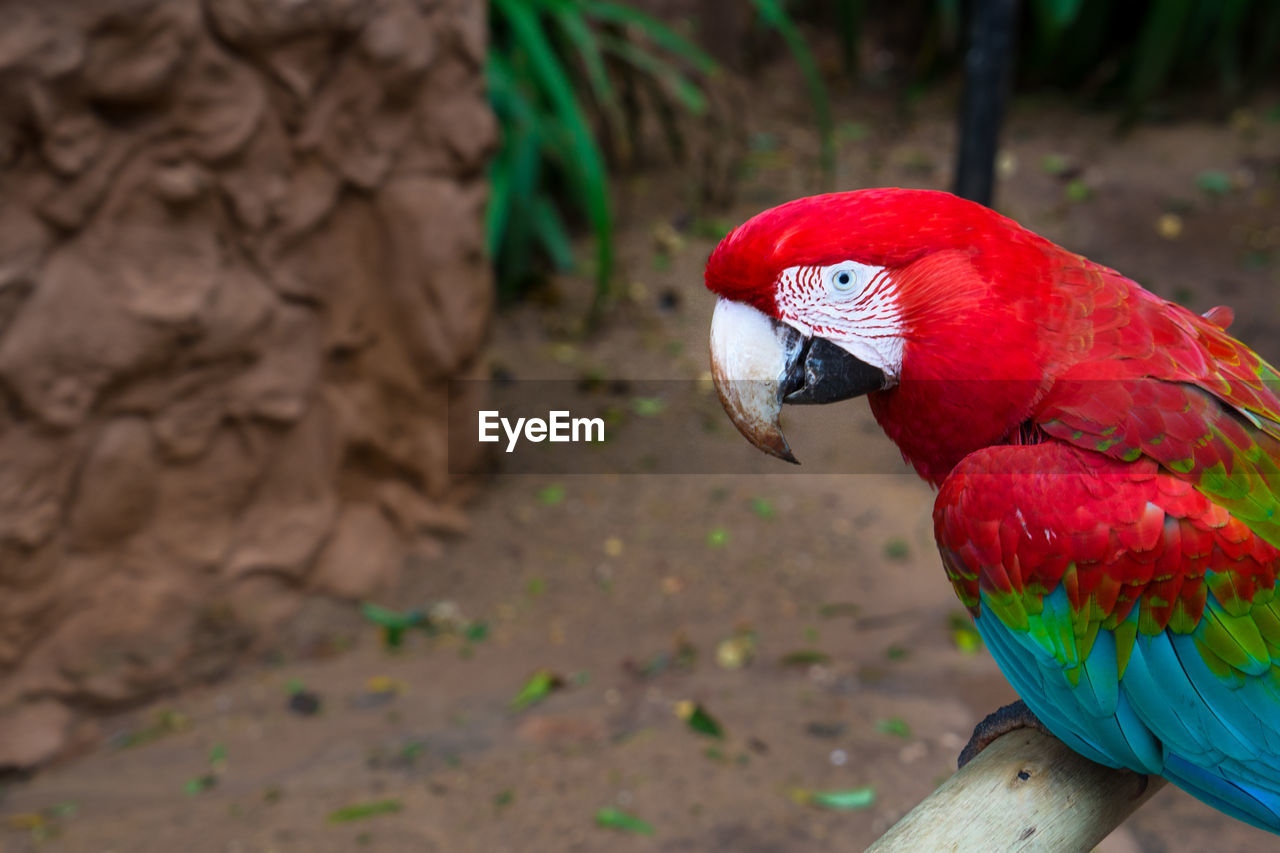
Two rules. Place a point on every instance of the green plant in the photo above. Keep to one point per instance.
(559, 72)
(774, 14)
(1124, 52)
(550, 69)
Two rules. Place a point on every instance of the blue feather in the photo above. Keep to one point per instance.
(1214, 737)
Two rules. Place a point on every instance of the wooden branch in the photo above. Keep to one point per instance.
(1025, 792)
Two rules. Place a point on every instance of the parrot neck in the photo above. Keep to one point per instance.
(966, 384)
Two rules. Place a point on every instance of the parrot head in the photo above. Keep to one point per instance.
(933, 306)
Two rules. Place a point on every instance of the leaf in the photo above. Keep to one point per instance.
(552, 494)
(804, 657)
(717, 537)
(476, 632)
(762, 508)
(1077, 191)
(699, 719)
(390, 618)
(585, 168)
(611, 818)
(1054, 164)
(362, 811)
(661, 35)
(648, 407)
(199, 784)
(963, 635)
(669, 76)
(838, 609)
(773, 14)
(535, 689)
(897, 549)
(1158, 41)
(841, 800)
(1214, 182)
(894, 726)
(551, 232)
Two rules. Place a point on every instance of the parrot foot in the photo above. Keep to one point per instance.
(1000, 722)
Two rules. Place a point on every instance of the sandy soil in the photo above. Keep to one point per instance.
(642, 593)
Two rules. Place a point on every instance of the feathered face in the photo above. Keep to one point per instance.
(840, 295)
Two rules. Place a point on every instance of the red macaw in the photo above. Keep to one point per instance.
(1107, 462)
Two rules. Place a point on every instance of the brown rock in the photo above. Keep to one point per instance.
(414, 513)
(135, 53)
(257, 23)
(33, 733)
(222, 106)
(363, 557)
(240, 260)
(35, 477)
(115, 492)
(442, 306)
(293, 510)
(282, 383)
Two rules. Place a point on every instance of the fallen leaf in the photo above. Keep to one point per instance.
(762, 507)
(842, 800)
(717, 537)
(1214, 182)
(611, 818)
(699, 719)
(199, 784)
(964, 636)
(25, 821)
(1054, 164)
(535, 689)
(894, 726)
(648, 407)
(393, 623)
(1077, 190)
(361, 811)
(305, 703)
(837, 609)
(551, 495)
(1169, 226)
(897, 549)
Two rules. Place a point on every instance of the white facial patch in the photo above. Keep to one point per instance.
(852, 305)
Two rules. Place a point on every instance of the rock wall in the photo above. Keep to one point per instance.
(240, 257)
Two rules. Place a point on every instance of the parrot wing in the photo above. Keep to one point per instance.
(1151, 379)
(1135, 616)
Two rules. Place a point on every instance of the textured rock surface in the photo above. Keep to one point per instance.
(240, 258)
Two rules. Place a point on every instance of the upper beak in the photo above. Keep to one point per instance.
(758, 363)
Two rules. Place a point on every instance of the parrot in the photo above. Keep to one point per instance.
(1107, 463)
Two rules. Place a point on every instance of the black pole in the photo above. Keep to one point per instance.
(988, 62)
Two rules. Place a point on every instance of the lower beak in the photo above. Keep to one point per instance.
(758, 363)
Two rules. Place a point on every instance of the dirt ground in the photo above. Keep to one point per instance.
(806, 614)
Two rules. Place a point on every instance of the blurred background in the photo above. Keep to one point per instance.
(261, 259)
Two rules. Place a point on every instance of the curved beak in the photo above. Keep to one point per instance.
(758, 363)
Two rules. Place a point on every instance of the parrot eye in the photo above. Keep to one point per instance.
(843, 280)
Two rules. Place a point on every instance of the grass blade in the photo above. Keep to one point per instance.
(772, 13)
(586, 166)
(1158, 41)
(675, 83)
(549, 228)
(656, 31)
